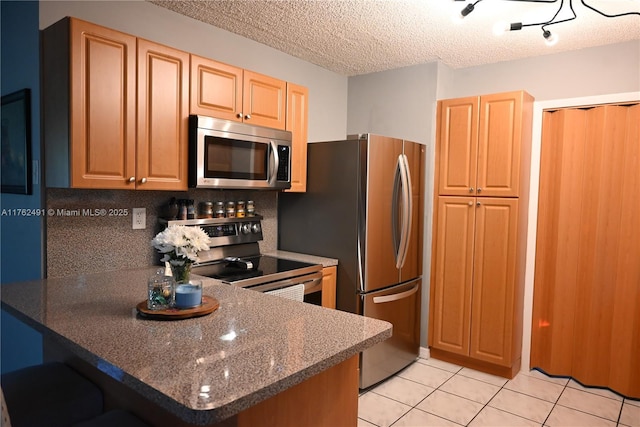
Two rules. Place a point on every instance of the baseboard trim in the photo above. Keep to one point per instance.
(424, 353)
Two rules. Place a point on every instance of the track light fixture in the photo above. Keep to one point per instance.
(467, 10)
(549, 37)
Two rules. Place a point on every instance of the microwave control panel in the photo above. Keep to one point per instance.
(284, 162)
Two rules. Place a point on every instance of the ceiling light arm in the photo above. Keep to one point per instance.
(519, 25)
(553, 21)
(607, 15)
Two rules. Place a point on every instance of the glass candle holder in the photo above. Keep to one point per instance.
(160, 291)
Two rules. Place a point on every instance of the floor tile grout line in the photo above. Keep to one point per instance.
(459, 372)
(584, 412)
(555, 403)
(423, 399)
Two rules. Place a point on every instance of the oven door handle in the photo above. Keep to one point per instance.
(312, 283)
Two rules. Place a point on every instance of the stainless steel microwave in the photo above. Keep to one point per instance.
(231, 155)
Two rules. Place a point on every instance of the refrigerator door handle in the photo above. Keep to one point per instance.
(396, 297)
(397, 179)
(407, 210)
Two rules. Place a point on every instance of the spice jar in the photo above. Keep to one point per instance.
(182, 209)
(206, 210)
(231, 210)
(240, 211)
(191, 209)
(219, 210)
(251, 210)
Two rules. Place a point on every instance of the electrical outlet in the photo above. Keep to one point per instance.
(139, 218)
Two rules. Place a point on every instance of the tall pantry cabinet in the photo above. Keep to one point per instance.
(480, 223)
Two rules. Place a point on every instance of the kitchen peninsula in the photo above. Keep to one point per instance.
(257, 357)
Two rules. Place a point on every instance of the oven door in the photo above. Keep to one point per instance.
(312, 287)
(237, 156)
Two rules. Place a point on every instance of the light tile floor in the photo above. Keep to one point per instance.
(435, 393)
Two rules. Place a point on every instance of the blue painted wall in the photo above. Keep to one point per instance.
(21, 251)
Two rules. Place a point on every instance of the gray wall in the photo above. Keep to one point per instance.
(327, 90)
(402, 103)
(587, 72)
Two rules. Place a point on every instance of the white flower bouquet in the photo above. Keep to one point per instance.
(180, 244)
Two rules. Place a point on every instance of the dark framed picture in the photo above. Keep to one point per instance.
(16, 142)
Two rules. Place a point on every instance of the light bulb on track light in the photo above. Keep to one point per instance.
(549, 38)
(500, 27)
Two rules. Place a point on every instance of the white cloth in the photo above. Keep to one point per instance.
(295, 292)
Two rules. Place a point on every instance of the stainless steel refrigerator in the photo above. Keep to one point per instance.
(364, 206)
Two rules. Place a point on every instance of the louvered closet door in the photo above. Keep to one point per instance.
(586, 313)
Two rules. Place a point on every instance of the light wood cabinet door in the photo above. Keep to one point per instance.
(480, 146)
(102, 79)
(494, 277)
(216, 89)
(329, 278)
(163, 115)
(296, 123)
(457, 146)
(499, 143)
(264, 100)
(231, 93)
(453, 265)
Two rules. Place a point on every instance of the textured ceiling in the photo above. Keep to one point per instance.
(352, 37)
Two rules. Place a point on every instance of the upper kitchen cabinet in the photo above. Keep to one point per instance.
(480, 143)
(163, 112)
(227, 92)
(94, 78)
(297, 118)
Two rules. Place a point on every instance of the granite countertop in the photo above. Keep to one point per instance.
(312, 259)
(205, 369)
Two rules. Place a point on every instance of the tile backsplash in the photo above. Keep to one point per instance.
(90, 231)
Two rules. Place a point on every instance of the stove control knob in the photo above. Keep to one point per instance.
(255, 227)
(246, 228)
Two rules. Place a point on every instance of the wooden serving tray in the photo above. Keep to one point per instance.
(209, 305)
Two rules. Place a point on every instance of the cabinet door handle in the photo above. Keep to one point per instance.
(132, 179)
(470, 203)
(479, 189)
(470, 189)
(247, 117)
(239, 115)
(143, 180)
(478, 204)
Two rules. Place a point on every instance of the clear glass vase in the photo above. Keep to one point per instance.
(181, 273)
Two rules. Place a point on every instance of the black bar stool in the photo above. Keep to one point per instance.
(55, 395)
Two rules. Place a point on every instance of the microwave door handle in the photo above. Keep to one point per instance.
(276, 162)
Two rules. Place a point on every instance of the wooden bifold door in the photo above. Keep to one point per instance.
(586, 308)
